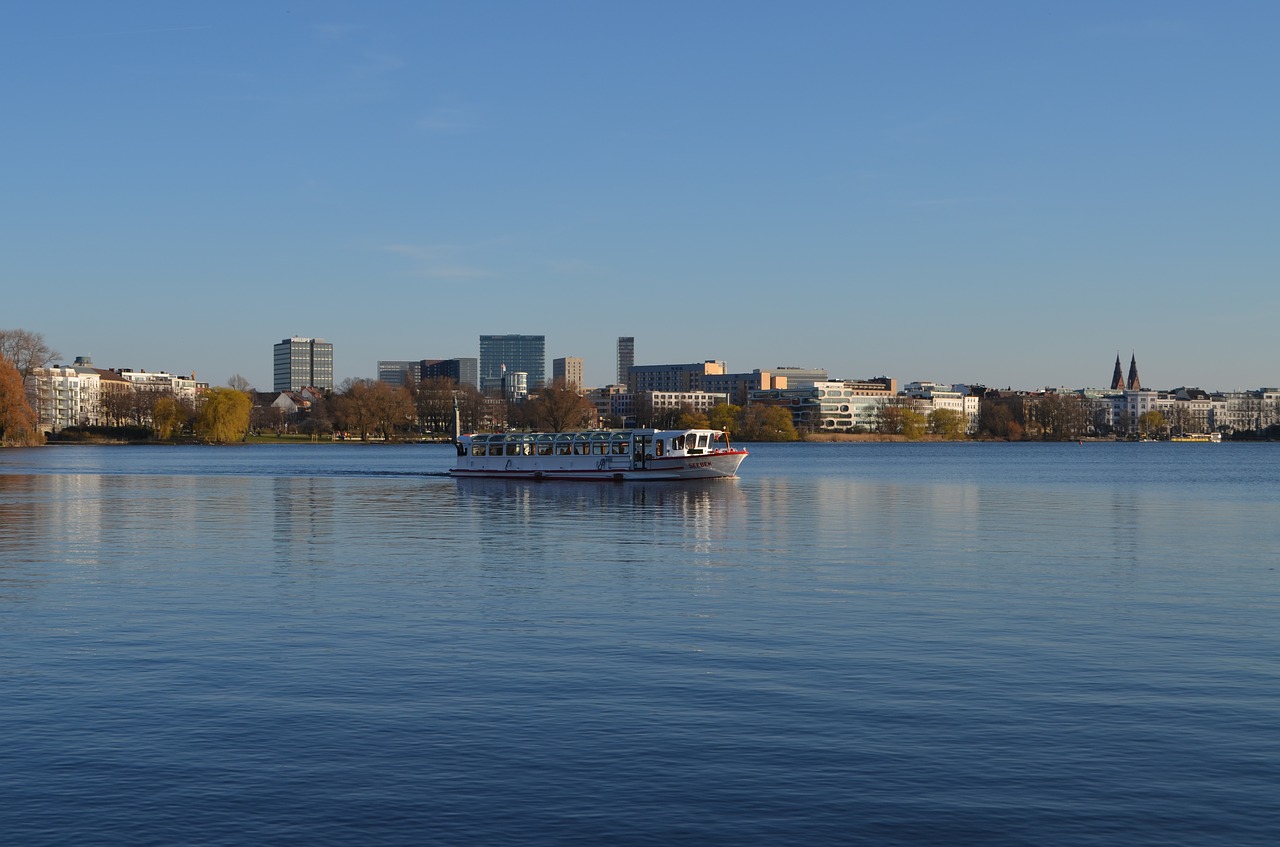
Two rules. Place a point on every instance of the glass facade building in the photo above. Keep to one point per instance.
(527, 353)
(461, 371)
(394, 372)
(303, 363)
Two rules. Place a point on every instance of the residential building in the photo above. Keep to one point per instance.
(301, 362)
(697, 401)
(931, 396)
(569, 369)
(510, 353)
(184, 388)
(82, 395)
(613, 402)
(66, 396)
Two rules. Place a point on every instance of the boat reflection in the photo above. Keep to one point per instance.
(619, 510)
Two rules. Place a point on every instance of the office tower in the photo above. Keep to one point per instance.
(517, 353)
(303, 363)
(626, 356)
(461, 371)
(689, 377)
(568, 369)
(395, 372)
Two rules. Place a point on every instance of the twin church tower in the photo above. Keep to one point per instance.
(1118, 382)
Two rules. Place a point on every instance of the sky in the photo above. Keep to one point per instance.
(1005, 193)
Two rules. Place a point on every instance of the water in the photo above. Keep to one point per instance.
(852, 644)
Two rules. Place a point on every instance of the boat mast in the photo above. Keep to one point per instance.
(457, 425)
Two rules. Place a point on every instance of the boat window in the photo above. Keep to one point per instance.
(621, 441)
(704, 440)
(658, 447)
(513, 448)
(563, 445)
(677, 443)
(544, 448)
(479, 448)
(580, 446)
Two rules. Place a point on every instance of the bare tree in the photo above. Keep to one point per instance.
(559, 407)
(371, 406)
(471, 408)
(434, 399)
(26, 350)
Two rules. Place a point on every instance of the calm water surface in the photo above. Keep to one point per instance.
(851, 644)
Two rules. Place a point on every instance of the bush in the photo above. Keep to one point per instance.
(102, 433)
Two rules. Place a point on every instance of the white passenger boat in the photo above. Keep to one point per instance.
(609, 454)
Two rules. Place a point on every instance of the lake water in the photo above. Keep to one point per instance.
(851, 644)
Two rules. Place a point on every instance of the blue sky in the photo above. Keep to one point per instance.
(1006, 193)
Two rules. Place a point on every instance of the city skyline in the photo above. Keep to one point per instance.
(990, 194)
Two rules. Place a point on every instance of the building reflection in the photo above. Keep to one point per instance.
(303, 512)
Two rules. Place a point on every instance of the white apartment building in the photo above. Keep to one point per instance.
(66, 396)
(930, 396)
(184, 388)
(73, 395)
(699, 401)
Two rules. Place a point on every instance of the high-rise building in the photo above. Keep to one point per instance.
(302, 363)
(528, 353)
(569, 369)
(626, 356)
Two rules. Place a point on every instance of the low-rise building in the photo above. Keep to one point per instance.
(833, 405)
(931, 396)
(672, 378)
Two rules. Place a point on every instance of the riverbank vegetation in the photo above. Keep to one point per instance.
(17, 418)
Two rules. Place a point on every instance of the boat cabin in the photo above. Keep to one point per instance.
(592, 451)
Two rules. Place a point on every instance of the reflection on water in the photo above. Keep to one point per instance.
(303, 518)
(496, 511)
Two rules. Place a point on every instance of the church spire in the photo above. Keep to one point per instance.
(1134, 383)
(1117, 379)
